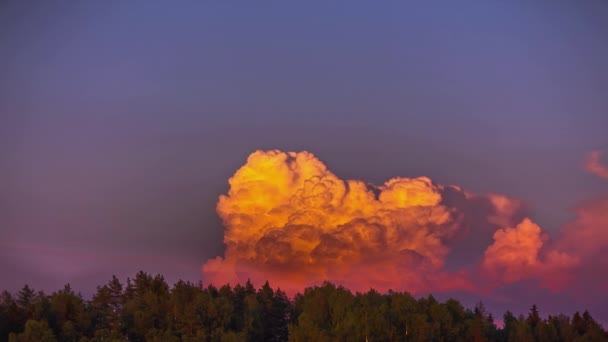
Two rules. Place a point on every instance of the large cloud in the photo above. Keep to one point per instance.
(290, 220)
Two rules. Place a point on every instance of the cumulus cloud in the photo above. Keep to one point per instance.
(290, 220)
(520, 252)
(594, 165)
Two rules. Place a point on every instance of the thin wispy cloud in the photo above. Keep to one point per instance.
(596, 165)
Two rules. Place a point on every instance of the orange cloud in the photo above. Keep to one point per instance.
(594, 165)
(290, 220)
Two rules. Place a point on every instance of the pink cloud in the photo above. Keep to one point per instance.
(593, 164)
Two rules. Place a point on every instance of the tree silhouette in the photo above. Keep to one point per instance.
(147, 309)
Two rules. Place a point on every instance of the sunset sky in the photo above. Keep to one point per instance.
(472, 134)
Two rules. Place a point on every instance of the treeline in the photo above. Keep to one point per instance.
(147, 309)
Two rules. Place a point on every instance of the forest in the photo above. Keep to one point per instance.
(146, 308)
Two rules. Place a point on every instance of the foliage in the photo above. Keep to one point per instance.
(147, 309)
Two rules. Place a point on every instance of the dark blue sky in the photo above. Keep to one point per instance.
(120, 122)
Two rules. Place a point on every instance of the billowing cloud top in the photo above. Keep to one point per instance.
(290, 220)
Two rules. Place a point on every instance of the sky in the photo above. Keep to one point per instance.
(122, 122)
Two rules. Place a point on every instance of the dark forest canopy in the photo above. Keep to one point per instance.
(147, 309)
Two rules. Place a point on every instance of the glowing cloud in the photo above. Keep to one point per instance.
(290, 220)
(594, 165)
